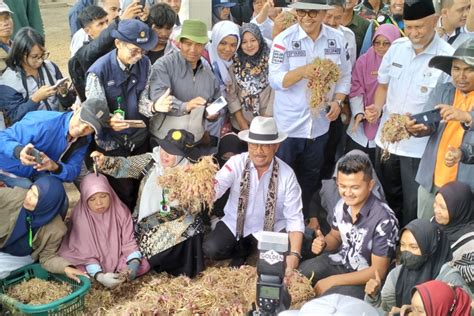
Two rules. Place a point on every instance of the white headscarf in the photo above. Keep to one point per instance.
(219, 32)
(152, 192)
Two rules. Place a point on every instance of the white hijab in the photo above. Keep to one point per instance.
(219, 32)
(151, 195)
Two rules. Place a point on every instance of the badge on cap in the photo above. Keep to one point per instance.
(142, 34)
(176, 135)
(100, 114)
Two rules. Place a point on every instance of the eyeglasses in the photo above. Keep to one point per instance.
(135, 51)
(44, 56)
(382, 44)
(310, 13)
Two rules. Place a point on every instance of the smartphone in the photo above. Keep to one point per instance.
(281, 3)
(35, 153)
(428, 117)
(215, 106)
(135, 123)
(60, 82)
(94, 165)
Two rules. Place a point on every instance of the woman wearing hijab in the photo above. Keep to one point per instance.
(225, 40)
(425, 256)
(436, 298)
(364, 84)
(453, 215)
(100, 238)
(221, 11)
(250, 94)
(32, 225)
(168, 236)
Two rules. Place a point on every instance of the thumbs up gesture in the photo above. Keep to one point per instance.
(453, 156)
(319, 243)
(372, 287)
(164, 103)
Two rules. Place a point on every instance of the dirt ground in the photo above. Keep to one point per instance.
(55, 19)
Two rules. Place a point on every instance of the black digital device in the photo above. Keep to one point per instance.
(281, 3)
(142, 3)
(428, 117)
(35, 153)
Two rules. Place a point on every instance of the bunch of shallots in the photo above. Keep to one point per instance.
(327, 73)
(192, 185)
(393, 131)
(38, 292)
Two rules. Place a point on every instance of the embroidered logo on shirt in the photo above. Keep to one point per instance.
(296, 53)
(111, 83)
(296, 45)
(332, 48)
(277, 57)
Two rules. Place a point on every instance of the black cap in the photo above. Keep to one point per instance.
(180, 142)
(417, 9)
(95, 112)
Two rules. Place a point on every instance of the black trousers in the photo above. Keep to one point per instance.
(397, 175)
(321, 267)
(221, 244)
(351, 145)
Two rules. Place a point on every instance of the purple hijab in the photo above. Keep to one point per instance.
(99, 238)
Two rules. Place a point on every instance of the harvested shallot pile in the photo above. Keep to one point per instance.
(38, 292)
(217, 291)
(393, 131)
(327, 74)
(192, 185)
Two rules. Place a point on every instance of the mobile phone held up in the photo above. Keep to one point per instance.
(36, 154)
(428, 117)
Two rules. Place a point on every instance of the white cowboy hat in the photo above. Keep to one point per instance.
(263, 130)
(310, 5)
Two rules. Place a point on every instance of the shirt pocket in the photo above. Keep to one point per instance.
(395, 73)
(425, 85)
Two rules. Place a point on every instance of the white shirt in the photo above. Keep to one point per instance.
(410, 82)
(351, 43)
(266, 28)
(78, 40)
(294, 48)
(288, 212)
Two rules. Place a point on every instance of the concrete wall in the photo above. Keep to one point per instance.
(198, 10)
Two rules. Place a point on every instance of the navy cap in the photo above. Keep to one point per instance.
(137, 33)
(223, 3)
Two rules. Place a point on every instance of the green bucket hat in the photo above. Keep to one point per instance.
(194, 30)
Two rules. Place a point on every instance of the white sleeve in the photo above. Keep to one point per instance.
(343, 85)
(293, 207)
(266, 27)
(384, 69)
(226, 176)
(278, 63)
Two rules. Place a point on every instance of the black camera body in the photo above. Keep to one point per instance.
(272, 294)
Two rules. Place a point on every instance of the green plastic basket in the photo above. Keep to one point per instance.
(69, 305)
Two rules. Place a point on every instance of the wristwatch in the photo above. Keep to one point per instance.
(296, 254)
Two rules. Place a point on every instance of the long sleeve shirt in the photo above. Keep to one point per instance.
(288, 212)
(291, 49)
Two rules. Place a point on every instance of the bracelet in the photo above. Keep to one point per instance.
(296, 254)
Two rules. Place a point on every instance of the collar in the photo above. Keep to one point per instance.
(121, 65)
(356, 19)
(66, 123)
(431, 49)
(269, 170)
(366, 208)
(184, 63)
(302, 34)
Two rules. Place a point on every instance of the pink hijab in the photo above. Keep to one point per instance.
(104, 239)
(364, 75)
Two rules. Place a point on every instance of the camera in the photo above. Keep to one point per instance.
(272, 294)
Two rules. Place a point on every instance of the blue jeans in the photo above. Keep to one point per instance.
(306, 157)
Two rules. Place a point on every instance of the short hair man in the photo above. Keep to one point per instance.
(161, 19)
(355, 23)
(6, 32)
(455, 101)
(264, 195)
(192, 84)
(120, 78)
(405, 68)
(370, 9)
(453, 18)
(363, 236)
(290, 66)
(62, 140)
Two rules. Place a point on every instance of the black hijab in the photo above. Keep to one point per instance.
(458, 197)
(434, 247)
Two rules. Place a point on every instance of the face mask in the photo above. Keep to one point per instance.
(411, 261)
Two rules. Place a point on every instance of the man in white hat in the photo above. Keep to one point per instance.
(264, 195)
(290, 67)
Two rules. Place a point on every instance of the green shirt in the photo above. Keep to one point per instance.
(26, 13)
(359, 26)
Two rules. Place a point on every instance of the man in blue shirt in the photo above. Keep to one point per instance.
(48, 142)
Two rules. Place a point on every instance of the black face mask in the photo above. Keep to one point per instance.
(411, 261)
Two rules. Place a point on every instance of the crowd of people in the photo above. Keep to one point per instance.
(389, 226)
